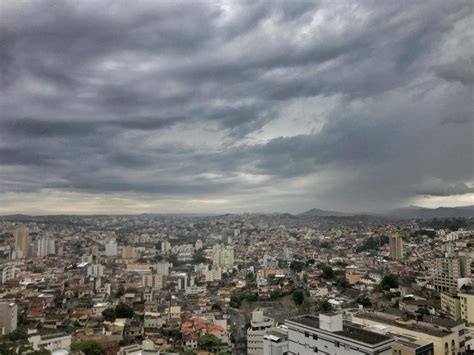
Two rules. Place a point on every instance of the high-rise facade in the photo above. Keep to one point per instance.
(223, 257)
(8, 317)
(396, 247)
(22, 241)
(45, 246)
(259, 325)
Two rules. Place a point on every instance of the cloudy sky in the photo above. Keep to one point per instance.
(223, 106)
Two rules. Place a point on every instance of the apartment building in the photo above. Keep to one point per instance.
(447, 336)
(259, 325)
(329, 334)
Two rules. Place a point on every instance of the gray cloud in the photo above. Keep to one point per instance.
(178, 101)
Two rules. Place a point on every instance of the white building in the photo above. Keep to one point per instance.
(10, 272)
(51, 342)
(329, 334)
(165, 246)
(163, 268)
(257, 330)
(95, 270)
(8, 317)
(215, 274)
(223, 257)
(198, 245)
(45, 246)
(275, 342)
(111, 248)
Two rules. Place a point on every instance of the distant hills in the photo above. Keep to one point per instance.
(411, 212)
(440, 212)
(316, 212)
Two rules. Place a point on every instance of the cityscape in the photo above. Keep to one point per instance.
(217, 177)
(243, 284)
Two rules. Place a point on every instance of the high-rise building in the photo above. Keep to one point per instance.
(223, 257)
(154, 281)
(8, 317)
(259, 325)
(45, 246)
(22, 241)
(275, 341)
(447, 272)
(163, 268)
(466, 298)
(95, 270)
(111, 248)
(129, 252)
(396, 247)
(165, 246)
(329, 334)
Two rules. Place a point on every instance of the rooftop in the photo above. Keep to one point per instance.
(430, 325)
(350, 330)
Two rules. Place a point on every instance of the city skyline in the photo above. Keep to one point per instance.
(205, 107)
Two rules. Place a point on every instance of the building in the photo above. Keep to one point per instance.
(275, 341)
(259, 325)
(329, 334)
(447, 273)
(466, 300)
(447, 336)
(165, 247)
(22, 241)
(155, 281)
(215, 274)
(52, 342)
(198, 245)
(396, 247)
(163, 268)
(129, 252)
(95, 270)
(450, 306)
(412, 346)
(111, 248)
(45, 246)
(9, 272)
(8, 317)
(223, 257)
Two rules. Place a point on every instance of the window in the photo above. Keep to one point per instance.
(315, 336)
(336, 344)
(315, 349)
(306, 334)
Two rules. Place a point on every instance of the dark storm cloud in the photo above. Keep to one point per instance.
(176, 99)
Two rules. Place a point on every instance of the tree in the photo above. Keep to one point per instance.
(109, 314)
(388, 282)
(18, 334)
(296, 266)
(235, 301)
(158, 258)
(199, 258)
(328, 272)
(88, 347)
(123, 311)
(298, 297)
(325, 307)
(120, 291)
(208, 341)
(342, 282)
(364, 301)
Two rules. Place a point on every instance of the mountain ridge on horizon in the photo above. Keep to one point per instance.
(407, 212)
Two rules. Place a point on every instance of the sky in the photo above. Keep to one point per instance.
(235, 106)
